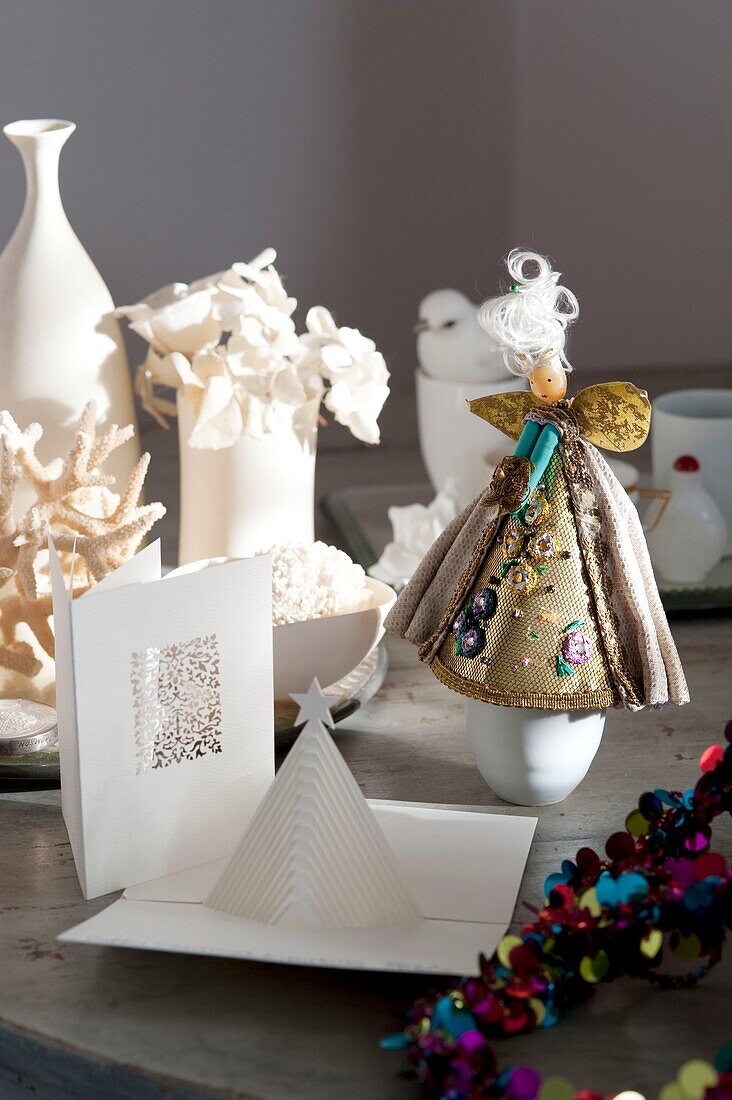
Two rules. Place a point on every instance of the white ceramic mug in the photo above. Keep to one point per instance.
(698, 423)
(455, 444)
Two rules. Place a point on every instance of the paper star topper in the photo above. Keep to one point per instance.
(313, 706)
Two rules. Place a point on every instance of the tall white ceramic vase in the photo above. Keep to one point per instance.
(250, 496)
(532, 757)
(59, 344)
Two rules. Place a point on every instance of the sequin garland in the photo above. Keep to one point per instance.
(660, 891)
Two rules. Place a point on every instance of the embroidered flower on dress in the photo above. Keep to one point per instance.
(463, 622)
(577, 648)
(543, 546)
(485, 603)
(512, 541)
(471, 643)
(520, 578)
(536, 511)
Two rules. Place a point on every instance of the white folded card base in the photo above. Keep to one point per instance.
(463, 866)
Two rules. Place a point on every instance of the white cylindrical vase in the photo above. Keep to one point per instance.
(532, 757)
(60, 345)
(258, 493)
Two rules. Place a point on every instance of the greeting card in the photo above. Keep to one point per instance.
(165, 715)
(322, 877)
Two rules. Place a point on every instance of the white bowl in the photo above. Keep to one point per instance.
(327, 648)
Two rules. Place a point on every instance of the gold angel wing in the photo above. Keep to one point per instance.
(505, 411)
(613, 415)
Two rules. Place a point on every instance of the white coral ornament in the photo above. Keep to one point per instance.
(313, 582)
(74, 501)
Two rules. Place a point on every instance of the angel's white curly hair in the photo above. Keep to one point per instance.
(530, 322)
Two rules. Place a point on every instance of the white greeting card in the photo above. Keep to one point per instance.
(464, 867)
(165, 713)
(313, 855)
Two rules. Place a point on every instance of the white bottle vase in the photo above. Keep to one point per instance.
(532, 757)
(242, 499)
(59, 345)
(691, 534)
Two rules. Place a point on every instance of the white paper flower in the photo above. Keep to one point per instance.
(339, 348)
(191, 317)
(229, 401)
(262, 275)
(219, 419)
(257, 338)
(269, 398)
(415, 528)
(357, 398)
(356, 370)
(176, 318)
(229, 342)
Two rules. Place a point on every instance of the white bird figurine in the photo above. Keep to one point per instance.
(450, 342)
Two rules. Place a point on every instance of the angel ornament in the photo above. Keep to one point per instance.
(539, 598)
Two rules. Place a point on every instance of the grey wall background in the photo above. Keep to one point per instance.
(387, 147)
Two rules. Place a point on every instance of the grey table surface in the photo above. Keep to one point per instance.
(89, 1022)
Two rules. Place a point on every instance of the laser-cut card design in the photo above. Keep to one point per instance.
(165, 714)
(176, 691)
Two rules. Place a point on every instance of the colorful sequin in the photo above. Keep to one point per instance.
(513, 541)
(462, 623)
(659, 889)
(485, 603)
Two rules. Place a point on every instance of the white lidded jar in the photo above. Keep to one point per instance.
(59, 345)
(691, 534)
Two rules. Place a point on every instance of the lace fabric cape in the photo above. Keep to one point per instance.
(642, 667)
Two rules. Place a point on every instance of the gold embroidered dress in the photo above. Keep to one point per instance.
(541, 593)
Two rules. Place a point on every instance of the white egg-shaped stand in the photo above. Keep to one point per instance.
(532, 757)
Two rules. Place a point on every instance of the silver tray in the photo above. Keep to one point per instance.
(360, 516)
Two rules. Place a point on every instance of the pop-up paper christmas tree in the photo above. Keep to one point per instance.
(314, 855)
(314, 881)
